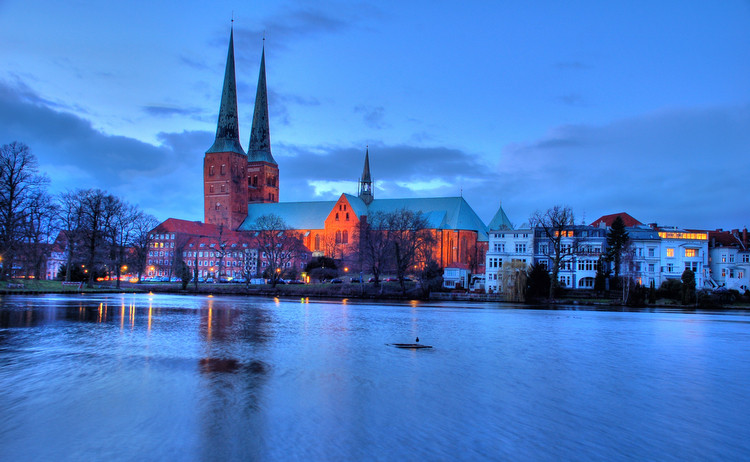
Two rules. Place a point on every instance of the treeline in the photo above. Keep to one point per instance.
(99, 232)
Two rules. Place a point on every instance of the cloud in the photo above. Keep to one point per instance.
(571, 65)
(372, 116)
(297, 24)
(572, 99)
(168, 111)
(685, 167)
(164, 179)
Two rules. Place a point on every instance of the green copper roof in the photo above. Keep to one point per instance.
(227, 129)
(260, 136)
(297, 215)
(441, 212)
(500, 220)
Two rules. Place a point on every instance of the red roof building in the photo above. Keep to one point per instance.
(609, 219)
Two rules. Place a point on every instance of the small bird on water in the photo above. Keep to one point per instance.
(417, 339)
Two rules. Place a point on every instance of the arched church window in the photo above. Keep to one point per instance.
(338, 237)
(337, 217)
(317, 242)
(345, 236)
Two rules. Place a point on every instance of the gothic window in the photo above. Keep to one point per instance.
(223, 169)
(345, 235)
(347, 215)
(255, 180)
(337, 217)
(211, 170)
(338, 237)
(317, 242)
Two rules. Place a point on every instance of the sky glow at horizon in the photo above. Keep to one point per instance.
(634, 107)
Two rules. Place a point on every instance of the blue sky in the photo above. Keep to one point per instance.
(632, 106)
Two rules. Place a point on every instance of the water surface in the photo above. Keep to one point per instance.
(126, 377)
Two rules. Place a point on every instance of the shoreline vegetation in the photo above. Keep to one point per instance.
(366, 291)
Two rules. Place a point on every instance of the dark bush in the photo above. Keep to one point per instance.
(671, 288)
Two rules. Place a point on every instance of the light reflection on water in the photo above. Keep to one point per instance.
(162, 377)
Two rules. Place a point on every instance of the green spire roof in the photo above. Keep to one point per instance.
(500, 220)
(260, 136)
(365, 183)
(227, 129)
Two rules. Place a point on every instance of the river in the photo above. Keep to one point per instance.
(166, 377)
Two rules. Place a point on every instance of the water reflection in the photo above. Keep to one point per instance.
(223, 378)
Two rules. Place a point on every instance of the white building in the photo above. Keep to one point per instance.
(684, 249)
(506, 245)
(729, 259)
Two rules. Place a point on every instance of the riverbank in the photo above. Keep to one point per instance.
(385, 291)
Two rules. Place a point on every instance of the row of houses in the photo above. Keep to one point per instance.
(655, 254)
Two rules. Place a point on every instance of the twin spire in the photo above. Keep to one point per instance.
(227, 129)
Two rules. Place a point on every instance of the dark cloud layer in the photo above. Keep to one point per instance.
(75, 155)
(681, 167)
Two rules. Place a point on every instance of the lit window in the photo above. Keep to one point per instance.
(691, 252)
(670, 252)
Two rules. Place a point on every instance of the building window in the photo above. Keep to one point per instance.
(724, 258)
(223, 188)
(723, 272)
(731, 258)
(650, 267)
(651, 251)
(347, 216)
(317, 242)
(670, 252)
(740, 274)
(543, 249)
(223, 169)
(345, 234)
(520, 248)
(499, 247)
(337, 217)
(670, 267)
(338, 236)
(691, 252)
(218, 206)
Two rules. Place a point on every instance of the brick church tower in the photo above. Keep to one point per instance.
(262, 169)
(224, 166)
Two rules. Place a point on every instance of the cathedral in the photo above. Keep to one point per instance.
(239, 187)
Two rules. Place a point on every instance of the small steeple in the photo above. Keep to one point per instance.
(260, 136)
(365, 184)
(227, 129)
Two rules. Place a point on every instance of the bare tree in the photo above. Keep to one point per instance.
(556, 224)
(143, 224)
(279, 244)
(40, 227)
(373, 244)
(222, 242)
(71, 221)
(19, 179)
(409, 240)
